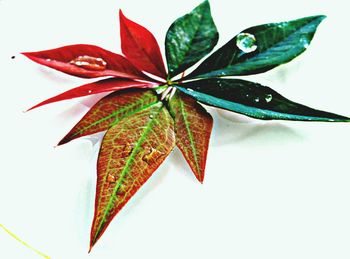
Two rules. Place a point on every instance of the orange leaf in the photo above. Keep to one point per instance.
(131, 151)
(110, 110)
(193, 125)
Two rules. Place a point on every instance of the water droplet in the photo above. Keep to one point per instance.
(282, 25)
(152, 155)
(111, 178)
(128, 148)
(268, 98)
(48, 60)
(151, 116)
(257, 99)
(90, 63)
(246, 42)
(189, 89)
(90, 91)
(305, 41)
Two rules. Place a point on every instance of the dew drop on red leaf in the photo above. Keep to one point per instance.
(128, 148)
(90, 63)
(151, 155)
(111, 178)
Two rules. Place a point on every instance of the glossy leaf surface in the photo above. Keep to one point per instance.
(143, 125)
(190, 38)
(253, 100)
(110, 110)
(140, 47)
(107, 85)
(260, 48)
(193, 125)
(86, 61)
(131, 151)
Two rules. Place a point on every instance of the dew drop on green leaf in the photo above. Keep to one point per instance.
(246, 42)
(305, 42)
(268, 98)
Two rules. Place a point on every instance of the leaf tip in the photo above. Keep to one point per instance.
(26, 54)
(200, 176)
(121, 13)
(320, 18)
(93, 241)
(62, 142)
(33, 107)
(205, 5)
(122, 17)
(29, 55)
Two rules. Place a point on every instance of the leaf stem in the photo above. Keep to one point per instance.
(160, 89)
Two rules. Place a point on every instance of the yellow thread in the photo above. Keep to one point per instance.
(24, 243)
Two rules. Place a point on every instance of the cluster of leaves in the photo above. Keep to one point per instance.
(146, 115)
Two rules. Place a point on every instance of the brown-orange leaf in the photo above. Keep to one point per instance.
(110, 110)
(193, 125)
(131, 151)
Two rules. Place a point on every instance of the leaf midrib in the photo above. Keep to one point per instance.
(115, 114)
(205, 98)
(217, 72)
(126, 167)
(190, 136)
(189, 44)
(155, 66)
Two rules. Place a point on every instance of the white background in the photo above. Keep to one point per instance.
(272, 189)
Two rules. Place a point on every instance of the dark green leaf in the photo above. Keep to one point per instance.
(260, 48)
(253, 100)
(190, 38)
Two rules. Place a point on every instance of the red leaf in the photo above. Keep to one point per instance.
(110, 110)
(193, 125)
(106, 85)
(86, 61)
(140, 47)
(131, 151)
